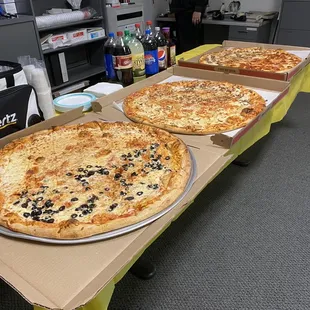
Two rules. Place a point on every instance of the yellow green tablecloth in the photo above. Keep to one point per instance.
(300, 83)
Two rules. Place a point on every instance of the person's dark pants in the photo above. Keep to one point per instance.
(189, 35)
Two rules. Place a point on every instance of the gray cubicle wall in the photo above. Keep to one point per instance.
(19, 37)
(294, 26)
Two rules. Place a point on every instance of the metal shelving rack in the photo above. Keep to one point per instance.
(84, 60)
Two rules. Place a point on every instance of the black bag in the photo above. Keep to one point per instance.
(18, 101)
(12, 76)
(18, 109)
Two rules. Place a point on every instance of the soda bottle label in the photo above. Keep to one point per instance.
(172, 55)
(151, 62)
(109, 66)
(138, 65)
(122, 62)
(162, 57)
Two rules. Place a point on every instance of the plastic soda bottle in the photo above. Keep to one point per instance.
(150, 54)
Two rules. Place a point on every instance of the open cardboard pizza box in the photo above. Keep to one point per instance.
(272, 91)
(302, 52)
(69, 276)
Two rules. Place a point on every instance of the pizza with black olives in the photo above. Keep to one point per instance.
(75, 181)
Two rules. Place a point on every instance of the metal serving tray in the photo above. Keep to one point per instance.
(115, 233)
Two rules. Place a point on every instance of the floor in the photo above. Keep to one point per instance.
(243, 244)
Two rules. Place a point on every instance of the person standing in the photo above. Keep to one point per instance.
(188, 15)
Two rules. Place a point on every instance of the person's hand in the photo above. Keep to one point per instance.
(196, 18)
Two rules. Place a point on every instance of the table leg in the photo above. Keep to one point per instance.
(241, 162)
(143, 269)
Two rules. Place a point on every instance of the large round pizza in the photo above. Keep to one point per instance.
(253, 58)
(76, 181)
(194, 107)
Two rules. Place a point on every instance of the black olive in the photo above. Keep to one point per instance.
(134, 174)
(26, 215)
(36, 213)
(85, 212)
(24, 205)
(117, 176)
(50, 221)
(167, 157)
(92, 205)
(113, 206)
(80, 169)
(74, 199)
(123, 193)
(140, 193)
(107, 189)
(89, 166)
(36, 218)
(69, 174)
(90, 173)
(39, 198)
(87, 188)
(130, 198)
(62, 208)
(48, 203)
(16, 202)
(73, 215)
(106, 172)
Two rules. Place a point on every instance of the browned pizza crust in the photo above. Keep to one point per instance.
(253, 58)
(75, 181)
(194, 107)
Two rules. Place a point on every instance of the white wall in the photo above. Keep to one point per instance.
(248, 5)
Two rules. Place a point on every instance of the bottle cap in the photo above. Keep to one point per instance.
(119, 33)
(149, 22)
(111, 34)
(127, 32)
(157, 28)
(147, 31)
(137, 25)
(165, 29)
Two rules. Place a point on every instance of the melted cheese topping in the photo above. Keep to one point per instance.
(253, 58)
(195, 105)
(90, 175)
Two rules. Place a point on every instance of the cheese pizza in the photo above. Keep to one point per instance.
(194, 107)
(253, 58)
(75, 181)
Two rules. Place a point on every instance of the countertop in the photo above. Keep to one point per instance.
(225, 22)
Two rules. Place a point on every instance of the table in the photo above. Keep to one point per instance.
(300, 83)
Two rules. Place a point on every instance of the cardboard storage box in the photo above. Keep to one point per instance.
(95, 33)
(302, 52)
(272, 92)
(77, 35)
(67, 277)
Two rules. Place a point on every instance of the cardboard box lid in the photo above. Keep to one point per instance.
(66, 277)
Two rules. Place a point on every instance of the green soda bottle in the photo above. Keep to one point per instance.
(138, 61)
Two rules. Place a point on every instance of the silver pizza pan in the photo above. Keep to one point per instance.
(111, 234)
